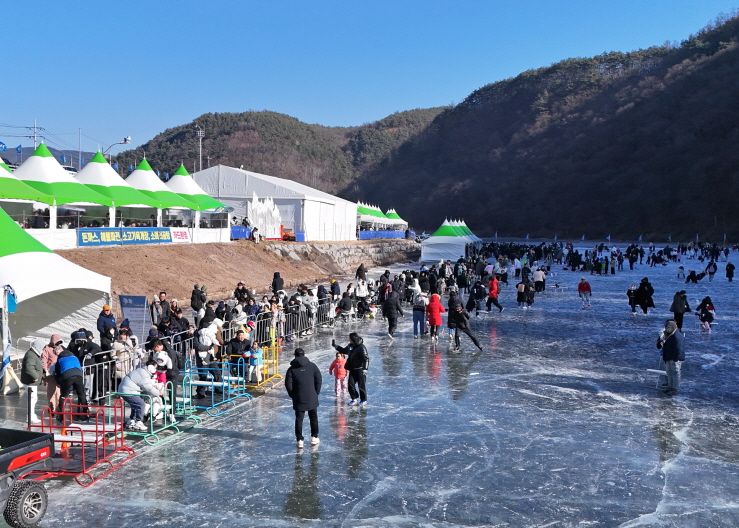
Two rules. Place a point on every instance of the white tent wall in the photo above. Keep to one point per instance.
(57, 312)
(297, 203)
(442, 248)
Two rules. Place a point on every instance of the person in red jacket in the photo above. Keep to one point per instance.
(583, 290)
(338, 369)
(433, 314)
(494, 290)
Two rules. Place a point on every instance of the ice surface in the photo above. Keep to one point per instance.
(556, 423)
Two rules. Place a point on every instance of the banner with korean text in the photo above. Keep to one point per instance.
(114, 236)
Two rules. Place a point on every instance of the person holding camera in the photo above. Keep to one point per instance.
(357, 363)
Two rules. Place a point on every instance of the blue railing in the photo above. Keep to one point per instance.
(370, 235)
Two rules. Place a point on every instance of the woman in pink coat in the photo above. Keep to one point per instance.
(433, 314)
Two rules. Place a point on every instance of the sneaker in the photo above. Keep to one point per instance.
(501, 310)
(138, 426)
(353, 402)
(583, 307)
(363, 404)
(588, 306)
(390, 335)
(35, 420)
(314, 440)
(415, 337)
(300, 444)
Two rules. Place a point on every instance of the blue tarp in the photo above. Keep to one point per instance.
(240, 232)
(371, 235)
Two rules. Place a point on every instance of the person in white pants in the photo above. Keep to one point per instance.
(31, 374)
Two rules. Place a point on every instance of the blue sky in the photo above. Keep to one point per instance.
(138, 67)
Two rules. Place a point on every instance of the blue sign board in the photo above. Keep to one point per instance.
(116, 236)
(135, 308)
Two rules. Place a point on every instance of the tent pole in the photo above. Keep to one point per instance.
(159, 218)
(52, 217)
(111, 213)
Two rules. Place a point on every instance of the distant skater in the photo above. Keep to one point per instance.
(631, 294)
(462, 324)
(679, 308)
(584, 291)
(644, 295)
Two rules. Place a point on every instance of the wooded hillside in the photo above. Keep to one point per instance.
(327, 158)
(622, 143)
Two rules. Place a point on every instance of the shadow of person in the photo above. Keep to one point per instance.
(356, 443)
(302, 501)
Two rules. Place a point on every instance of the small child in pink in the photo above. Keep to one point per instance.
(339, 372)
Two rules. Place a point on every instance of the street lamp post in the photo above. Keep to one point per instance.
(200, 135)
(125, 141)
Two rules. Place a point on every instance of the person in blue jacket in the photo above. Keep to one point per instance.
(68, 373)
(106, 317)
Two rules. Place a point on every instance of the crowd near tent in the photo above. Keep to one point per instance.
(53, 294)
(319, 215)
(449, 242)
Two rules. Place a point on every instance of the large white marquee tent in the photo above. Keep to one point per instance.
(53, 294)
(320, 215)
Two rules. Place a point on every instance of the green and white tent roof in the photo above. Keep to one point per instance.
(181, 183)
(394, 218)
(11, 188)
(447, 243)
(371, 214)
(468, 231)
(145, 180)
(42, 172)
(101, 178)
(54, 295)
(463, 230)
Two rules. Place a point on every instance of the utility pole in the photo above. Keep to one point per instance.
(79, 147)
(34, 133)
(200, 135)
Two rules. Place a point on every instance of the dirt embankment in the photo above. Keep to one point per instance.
(147, 270)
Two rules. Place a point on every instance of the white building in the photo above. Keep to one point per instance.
(320, 215)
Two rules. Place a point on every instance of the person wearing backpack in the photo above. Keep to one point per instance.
(197, 302)
(205, 357)
(420, 301)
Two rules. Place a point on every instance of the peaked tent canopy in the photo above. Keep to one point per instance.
(42, 172)
(101, 178)
(365, 214)
(54, 295)
(394, 218)
(144, 180)
(181, 183)
(11, 188)
(445, 244)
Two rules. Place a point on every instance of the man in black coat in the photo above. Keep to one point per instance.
(390, 310)
(303, 384)
(357, 363)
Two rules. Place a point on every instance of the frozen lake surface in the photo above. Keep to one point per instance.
(555, 424)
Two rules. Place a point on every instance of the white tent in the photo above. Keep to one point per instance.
(445, 244)
(53, 294)
(320, 215)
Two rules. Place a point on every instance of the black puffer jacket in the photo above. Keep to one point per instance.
(303, 384)
(391, 306)
(278, 283)
(356, 352)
